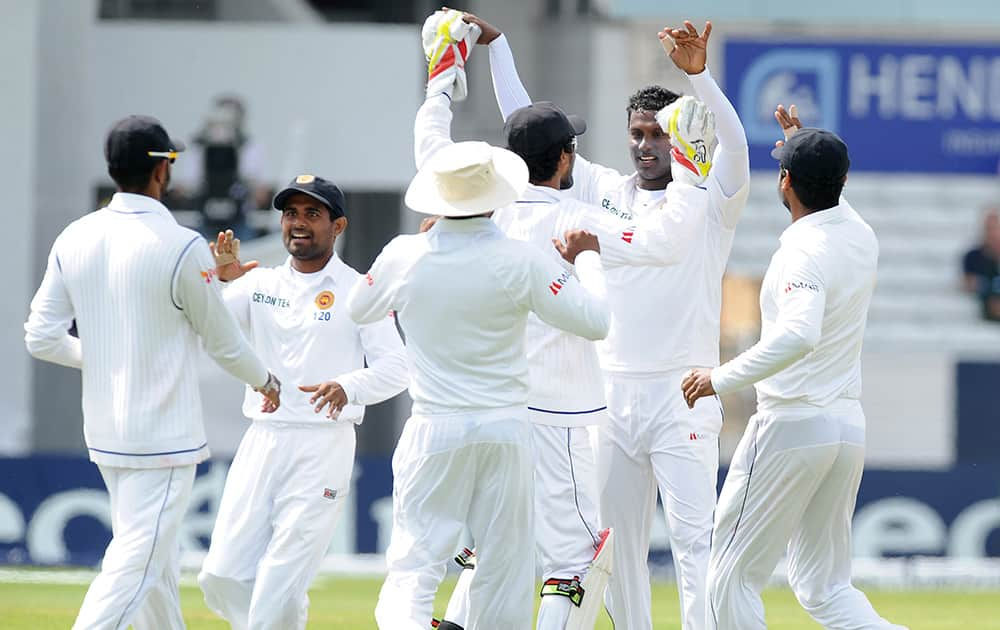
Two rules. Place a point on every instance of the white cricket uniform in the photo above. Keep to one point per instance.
(292, 472)
(566, 386)
(795, 475)
(463, 293)
(141, 289)
(665, 320)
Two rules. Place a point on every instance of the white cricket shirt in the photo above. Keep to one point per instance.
(663, 318)
(565, 376)
(142, 290)
(299, 324)
(813, 305)
(462, 293)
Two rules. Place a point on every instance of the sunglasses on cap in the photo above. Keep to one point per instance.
(170, 155)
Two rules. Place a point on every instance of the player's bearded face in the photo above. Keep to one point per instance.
(649, 147)
(307, 230)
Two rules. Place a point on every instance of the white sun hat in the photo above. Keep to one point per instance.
(466, 179)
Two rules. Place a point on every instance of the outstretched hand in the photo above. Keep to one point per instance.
(789, 121)
(686, 47)
(226, 252)
(328, 393)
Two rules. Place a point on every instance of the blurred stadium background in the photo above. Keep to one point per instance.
(331, 87)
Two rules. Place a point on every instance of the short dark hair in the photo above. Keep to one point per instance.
(817, 196)
(133, 178)
(542, 166)
(651, 98)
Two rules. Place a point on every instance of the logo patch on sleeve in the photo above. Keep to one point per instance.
(208, 275)
(329, 493)
(369, 279)
(808, 286)
(324, 300)
(559, 283)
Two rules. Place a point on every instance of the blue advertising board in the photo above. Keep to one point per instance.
(901, 107)
(54, 510)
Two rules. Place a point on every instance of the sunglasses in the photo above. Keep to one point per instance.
(170, 155)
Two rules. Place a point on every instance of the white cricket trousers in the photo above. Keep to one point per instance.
(284, 493)
(451, 471)
(138, 580)
(792, 485)
(566, 533)
(653, 441)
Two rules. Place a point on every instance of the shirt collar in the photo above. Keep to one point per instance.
(474, 224)
(540, 194)
(130, 203)
(334, 267)
(815, 219)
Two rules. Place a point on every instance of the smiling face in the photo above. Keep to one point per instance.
(308, 230)
(649, 147)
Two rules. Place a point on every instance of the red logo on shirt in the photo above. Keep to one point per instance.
(208, 275)
(627, 236)
(791, 286)
(559, 283)
(369, 279)
(329, 493)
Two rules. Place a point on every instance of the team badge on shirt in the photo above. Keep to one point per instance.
(329, 493)
(324, 300)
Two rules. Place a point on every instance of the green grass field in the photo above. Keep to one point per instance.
(348, 603)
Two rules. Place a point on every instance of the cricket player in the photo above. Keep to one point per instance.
(291, 476)
(142, 290)
(566, 394)
(665, 319)
(463, 292)
(794, 477)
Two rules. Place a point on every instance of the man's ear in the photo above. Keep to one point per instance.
(339, 225)
(160, 172)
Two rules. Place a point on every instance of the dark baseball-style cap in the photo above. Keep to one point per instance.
(815, 156)
(536, 128)
(322, 190)
(138, 141)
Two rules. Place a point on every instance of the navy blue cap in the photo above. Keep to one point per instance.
(131, 140)
(536, 128)
(814, 156)
(322, 190)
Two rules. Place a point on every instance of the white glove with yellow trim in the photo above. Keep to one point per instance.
(448, 41)
(691, 127)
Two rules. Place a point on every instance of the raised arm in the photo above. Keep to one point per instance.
(447, 42)
(46, 333)
(731, 161)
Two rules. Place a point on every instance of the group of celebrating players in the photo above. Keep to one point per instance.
(561, 324)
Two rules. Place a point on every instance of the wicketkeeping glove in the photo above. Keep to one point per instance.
(691, 127)
(448, 40)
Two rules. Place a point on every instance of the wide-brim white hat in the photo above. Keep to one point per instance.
(466, 179)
